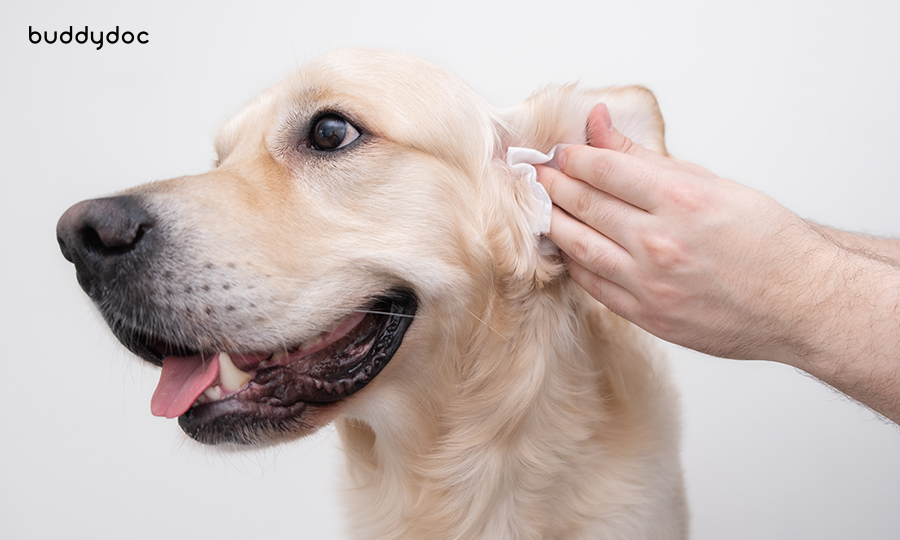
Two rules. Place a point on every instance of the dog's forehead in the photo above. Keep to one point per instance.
(385, 85)
(393, 95)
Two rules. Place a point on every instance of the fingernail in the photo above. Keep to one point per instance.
(561, 161)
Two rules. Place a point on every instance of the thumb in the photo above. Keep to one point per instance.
(602, 134)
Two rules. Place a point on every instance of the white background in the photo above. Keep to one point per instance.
(797, 99)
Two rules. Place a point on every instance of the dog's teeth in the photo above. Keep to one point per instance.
(275, 360)
(229, 375)
(318, 383)
(213, 393)
(328, 387)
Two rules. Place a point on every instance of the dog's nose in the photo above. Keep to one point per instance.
(96, 235)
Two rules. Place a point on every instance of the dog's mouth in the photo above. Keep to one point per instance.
(222, 396)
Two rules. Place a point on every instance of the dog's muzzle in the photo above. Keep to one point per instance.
(222, 389)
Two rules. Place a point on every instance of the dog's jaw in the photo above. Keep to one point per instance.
(275, 397)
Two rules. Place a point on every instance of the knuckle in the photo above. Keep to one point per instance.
(660, 324)
(665, 295)
(601, 168)
(627, 146)
(580, 247)
(595, 287)
(601, 291)
(593, 257)
(664, 250)
(585, 203)
(605, 216)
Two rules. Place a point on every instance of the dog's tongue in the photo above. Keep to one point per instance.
(182, 381)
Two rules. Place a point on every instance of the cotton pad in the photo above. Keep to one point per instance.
(522, 161)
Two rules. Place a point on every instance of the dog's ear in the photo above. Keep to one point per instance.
(559, 115)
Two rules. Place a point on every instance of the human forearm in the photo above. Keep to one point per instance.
(846, 333)
(885, 248)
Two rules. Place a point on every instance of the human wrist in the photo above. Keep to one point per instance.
(811, 298)
(839, 324)
(846, 331)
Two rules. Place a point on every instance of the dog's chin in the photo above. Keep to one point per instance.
(265, 398)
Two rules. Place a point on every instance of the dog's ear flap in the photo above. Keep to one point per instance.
(559, 115)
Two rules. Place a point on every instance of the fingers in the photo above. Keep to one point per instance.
(601, 211)
(618, 299)
(634, 180)
(595, 252)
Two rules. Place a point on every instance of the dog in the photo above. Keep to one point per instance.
(361, 254)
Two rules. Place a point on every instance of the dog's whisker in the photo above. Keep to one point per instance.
(306, 307)
(511, 344)
(292, 280)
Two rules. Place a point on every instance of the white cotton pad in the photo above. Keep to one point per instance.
(522, 161)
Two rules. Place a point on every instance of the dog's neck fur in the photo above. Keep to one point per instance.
(538, 464)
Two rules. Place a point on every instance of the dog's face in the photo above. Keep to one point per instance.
(357, 216)
(341, 209)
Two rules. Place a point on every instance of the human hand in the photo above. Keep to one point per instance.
(694, 259)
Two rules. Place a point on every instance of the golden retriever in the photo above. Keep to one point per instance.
(361, 254)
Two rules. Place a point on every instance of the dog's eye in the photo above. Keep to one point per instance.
(331, 132)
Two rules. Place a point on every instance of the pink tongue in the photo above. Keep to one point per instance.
(182, 381)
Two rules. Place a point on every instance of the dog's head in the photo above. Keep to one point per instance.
(359, 213)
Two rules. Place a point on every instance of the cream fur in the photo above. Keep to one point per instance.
(517, 406)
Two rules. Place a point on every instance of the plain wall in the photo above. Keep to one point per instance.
(797, 99)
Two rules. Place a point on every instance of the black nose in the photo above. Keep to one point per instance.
(98, 235)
